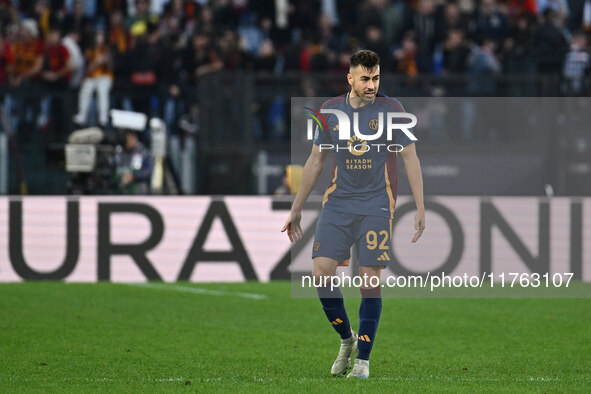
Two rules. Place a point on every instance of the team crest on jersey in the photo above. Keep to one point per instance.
(316, 246)
(374, 124)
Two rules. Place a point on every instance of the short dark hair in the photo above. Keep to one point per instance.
(366, 58)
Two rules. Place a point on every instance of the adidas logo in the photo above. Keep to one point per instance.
(384, 257)
(336, 322)
(364, 338)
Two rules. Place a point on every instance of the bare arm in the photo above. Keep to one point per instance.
(207, 68)
(415, 179)
(99, 61)
(312, 171)
(37, 66)
(62, 72)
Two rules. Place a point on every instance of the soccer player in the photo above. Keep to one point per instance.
(358, 206)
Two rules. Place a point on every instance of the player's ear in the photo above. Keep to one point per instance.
(350, 79)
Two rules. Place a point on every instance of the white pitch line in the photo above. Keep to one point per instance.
(194, 290)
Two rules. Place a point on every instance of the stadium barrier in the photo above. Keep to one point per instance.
(232, 239)
(247, 114)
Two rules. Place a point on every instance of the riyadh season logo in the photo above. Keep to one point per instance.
(357, 143)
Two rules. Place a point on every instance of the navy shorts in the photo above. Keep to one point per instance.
(336, 232)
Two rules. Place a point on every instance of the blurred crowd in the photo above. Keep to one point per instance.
(156, 50)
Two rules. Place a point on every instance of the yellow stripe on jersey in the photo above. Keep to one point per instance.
(389, 191)
(332, 188)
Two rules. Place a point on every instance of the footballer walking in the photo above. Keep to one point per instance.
(358, 205)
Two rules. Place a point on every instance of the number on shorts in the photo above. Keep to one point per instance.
(372, 240)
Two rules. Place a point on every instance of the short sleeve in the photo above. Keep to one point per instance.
(321, 136)
(400, 137)
(322, 133)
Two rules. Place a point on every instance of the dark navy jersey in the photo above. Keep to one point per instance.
(365, 173)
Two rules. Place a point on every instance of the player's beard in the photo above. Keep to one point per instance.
(361, 95)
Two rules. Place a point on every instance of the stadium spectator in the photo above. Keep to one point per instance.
(232, 53)
(303, 16)
(560, 7)
(316, 57)
(489, 23)
(394, 16)
(251, 35)
(455, 53)
(70, 42)
(99, 79)
(107, 7)
(28, 52)
(518, 47)
(550, 44)
(55, 75)
(328, 36)
(576, 66)
(266, 61)
(406, 56)
(118, 40)
(45, 16)
(483, 61)
(449, 17)
(117, 35)
(579, 15)
(370, 14)
(201, 57)
(80, 23)
(374, 41)
(6, 59)
(154, 7)
(141, 63)
(517, 8)
(56, 66)
(423, 25)
(90, 7)
(173, 20)
(205, 22)
(172, 81)
(23, 73)
(8, 14)
(140, 17)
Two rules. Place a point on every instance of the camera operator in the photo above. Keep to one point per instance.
(133, 166)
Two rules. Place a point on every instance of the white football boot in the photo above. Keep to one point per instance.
(346, 353)
(360, 369)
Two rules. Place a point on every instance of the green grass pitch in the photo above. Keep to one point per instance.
(182, 337)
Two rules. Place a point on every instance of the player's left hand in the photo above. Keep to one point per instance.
(293, 227)
(419, 225)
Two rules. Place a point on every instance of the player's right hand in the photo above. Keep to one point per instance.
(293, 227)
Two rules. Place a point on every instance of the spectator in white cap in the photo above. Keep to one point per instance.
(28, 53)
